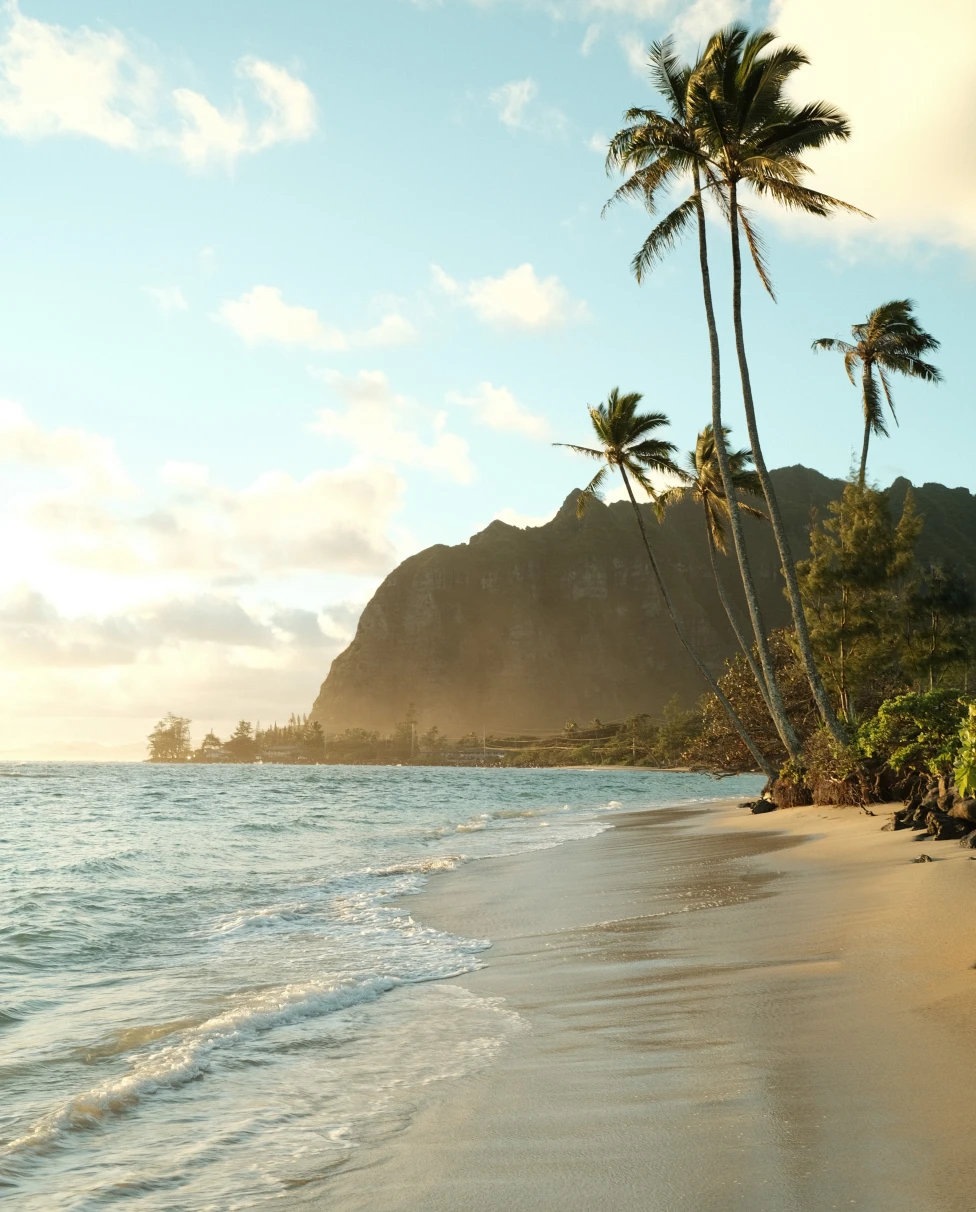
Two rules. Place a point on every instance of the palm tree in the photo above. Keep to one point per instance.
(658, 149)
(624, 443)
(890, 340)
(702, 483)
(754, 136)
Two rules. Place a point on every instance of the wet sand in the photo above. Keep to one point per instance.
(723, 1013)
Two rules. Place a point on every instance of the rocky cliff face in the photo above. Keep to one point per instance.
(519, 630)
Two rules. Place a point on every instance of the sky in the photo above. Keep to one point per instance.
(291, 292)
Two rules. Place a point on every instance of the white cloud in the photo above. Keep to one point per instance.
(590, 38)
(443, 281)
(118, 604)
(393, 329)
(261, 314)
(599, 143)
(517, 299)
(514, 103)
(167, 298)
(373, 423)
(86, 458)
(60, 81)
(511, 100)
(333, 521)
(499, 409)
(700, 20)
(89, 685)
(95, 521)
(921, 99)
(635, 52)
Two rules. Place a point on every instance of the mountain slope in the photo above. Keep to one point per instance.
(519, 630)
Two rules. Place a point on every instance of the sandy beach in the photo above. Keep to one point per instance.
(721, 1012)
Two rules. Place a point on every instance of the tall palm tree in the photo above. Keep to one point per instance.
(889, 341)
(625, 444)
(657, 149)
(702, 483)
(755, 136)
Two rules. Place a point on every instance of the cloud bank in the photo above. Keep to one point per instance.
(56, 81)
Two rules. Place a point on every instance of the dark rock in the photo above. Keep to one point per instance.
(922, 858)
(763, 806)
(941, 826)
(921, 837)
(965, 810)
(913, 803)
(969, 841)
(947, 801)
(891, 824)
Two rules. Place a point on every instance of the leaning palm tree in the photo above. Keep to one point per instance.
(625, 444)
(889, 341)
(755, 137)
(702, 483)
(655, 151)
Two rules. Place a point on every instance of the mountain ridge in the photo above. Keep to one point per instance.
(517, 630)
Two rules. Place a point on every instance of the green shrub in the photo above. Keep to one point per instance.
(916, 733)
(965, 770)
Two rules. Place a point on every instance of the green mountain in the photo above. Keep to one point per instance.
(520, 630)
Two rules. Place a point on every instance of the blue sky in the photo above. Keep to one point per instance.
(293, 291)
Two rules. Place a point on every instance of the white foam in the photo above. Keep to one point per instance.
(190, 1058)
(444, 862)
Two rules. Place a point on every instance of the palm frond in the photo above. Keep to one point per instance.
(663, 238)
(592, 492)
(873, 414)
(583, 450)
(757, 248)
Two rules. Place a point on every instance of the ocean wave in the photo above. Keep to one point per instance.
(191, 1058)
(424, 866)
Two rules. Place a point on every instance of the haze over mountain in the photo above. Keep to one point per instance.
(520, 630)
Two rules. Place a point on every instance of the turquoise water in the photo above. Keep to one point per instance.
(212, 985)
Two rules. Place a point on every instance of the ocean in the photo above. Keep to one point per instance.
(213, 987)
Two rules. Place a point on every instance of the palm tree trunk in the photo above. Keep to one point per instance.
(769, 684)
(867, 427)
(824, 706)
(739, 634)
(703, 669)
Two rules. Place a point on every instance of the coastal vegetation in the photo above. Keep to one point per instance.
(638, 740)
(864, 696)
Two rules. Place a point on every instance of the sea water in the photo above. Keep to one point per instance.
(212, 985)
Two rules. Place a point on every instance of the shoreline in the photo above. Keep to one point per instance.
(723, 1012)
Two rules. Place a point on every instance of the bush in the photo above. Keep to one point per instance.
(965, 769)
(916, 734)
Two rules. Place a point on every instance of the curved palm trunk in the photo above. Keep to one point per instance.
(768, 682)
(867, 426)
(723, 597)
(713, 685)
(776, 518)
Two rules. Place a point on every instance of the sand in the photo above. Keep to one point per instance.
(722, 1012)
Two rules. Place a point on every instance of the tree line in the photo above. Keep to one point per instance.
(637, 741)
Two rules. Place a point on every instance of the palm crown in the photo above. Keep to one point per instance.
(657, 149)
(623, 432)
(889, 341)
(702, 482)
(753, 133)
(728, 121)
